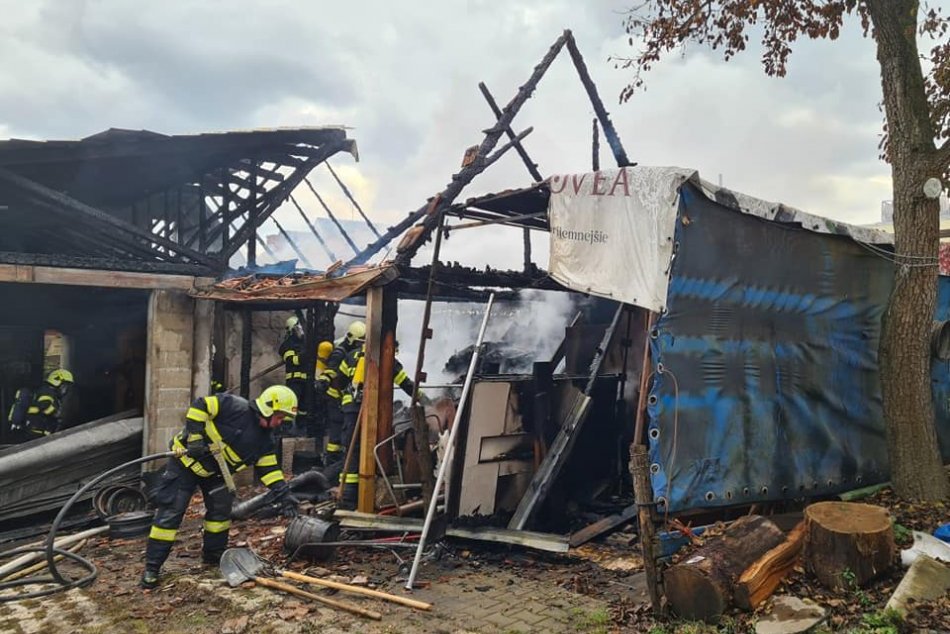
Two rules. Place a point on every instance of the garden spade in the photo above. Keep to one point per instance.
(241, 564)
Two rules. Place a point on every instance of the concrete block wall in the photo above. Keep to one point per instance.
(268, 329)
(169, 367)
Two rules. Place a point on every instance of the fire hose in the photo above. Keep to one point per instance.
(52, 552)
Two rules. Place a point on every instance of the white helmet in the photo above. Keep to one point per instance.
(356, 332)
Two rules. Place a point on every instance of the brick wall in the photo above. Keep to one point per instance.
(268, 330)
(169, 367)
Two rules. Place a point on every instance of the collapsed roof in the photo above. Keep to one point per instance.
(144, 201)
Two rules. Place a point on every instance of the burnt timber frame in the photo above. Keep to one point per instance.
(430, 211)
(142, 201)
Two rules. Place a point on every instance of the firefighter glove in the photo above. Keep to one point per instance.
(288, 507)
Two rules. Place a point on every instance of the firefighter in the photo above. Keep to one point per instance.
(291, 351)
(330, 382)
(241, 431)
(45, 414)
(322, 405)
(353, 368)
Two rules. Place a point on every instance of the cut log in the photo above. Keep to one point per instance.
(847, 544)
(702, 586)
(760, 580)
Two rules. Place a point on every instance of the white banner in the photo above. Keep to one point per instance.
(612, 232)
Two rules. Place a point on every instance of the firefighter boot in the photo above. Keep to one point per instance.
(150, 579)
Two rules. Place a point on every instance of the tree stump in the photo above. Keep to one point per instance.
(701, 586)
(847, 544)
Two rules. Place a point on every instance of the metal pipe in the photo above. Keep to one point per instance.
(450, 444)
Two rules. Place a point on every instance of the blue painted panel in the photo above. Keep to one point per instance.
(766, 369)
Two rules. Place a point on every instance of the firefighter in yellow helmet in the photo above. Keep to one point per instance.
(353, 369)
(45, 414)
(242, 431)
(329, 382)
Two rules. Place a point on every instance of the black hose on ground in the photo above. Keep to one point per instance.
(52, 551)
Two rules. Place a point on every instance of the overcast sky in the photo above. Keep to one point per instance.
(404, 75)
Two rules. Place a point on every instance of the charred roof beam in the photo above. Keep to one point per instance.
(98, 217)
(326, 208)
(346, 191)
(276, 196)
(313, 230)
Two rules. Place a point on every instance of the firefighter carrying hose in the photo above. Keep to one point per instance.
(329, 382)
(353, 368)
(221, 431)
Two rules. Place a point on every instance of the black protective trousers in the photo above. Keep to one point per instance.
(350, 479)
(172, 496)
(336, 444)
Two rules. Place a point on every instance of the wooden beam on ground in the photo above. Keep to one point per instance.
(603, 525)
(529, 539)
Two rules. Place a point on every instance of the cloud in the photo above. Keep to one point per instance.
(404, 77)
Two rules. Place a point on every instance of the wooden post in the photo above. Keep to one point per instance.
(378, 390)
(246, 351)
(643, 494)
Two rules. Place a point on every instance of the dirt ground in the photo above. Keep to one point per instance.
(473, 587)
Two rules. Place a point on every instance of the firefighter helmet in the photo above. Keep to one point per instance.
(58, 377)
(277, 398)
(356, 332)
(292, 322)
(324, 350)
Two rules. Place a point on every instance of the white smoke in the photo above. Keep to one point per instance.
(533, 323)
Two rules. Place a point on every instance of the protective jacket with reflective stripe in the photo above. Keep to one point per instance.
(353, 388)
(44, 413)
(291, 351)
(231, 421)
(331, 373)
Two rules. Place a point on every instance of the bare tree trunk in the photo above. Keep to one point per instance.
(916, 469)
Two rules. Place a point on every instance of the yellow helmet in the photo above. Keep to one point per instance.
(277, 398)
(58, 377)
(356, 332)
(324, 350)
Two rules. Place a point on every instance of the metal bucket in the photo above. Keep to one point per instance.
(305, 535)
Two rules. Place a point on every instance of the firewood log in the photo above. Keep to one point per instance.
(760, 580)
(701, 587)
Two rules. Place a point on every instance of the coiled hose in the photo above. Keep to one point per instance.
(52, 551)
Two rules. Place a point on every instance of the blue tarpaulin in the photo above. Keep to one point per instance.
(766, 378)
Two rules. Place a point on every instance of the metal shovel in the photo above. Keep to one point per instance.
(241, 564)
